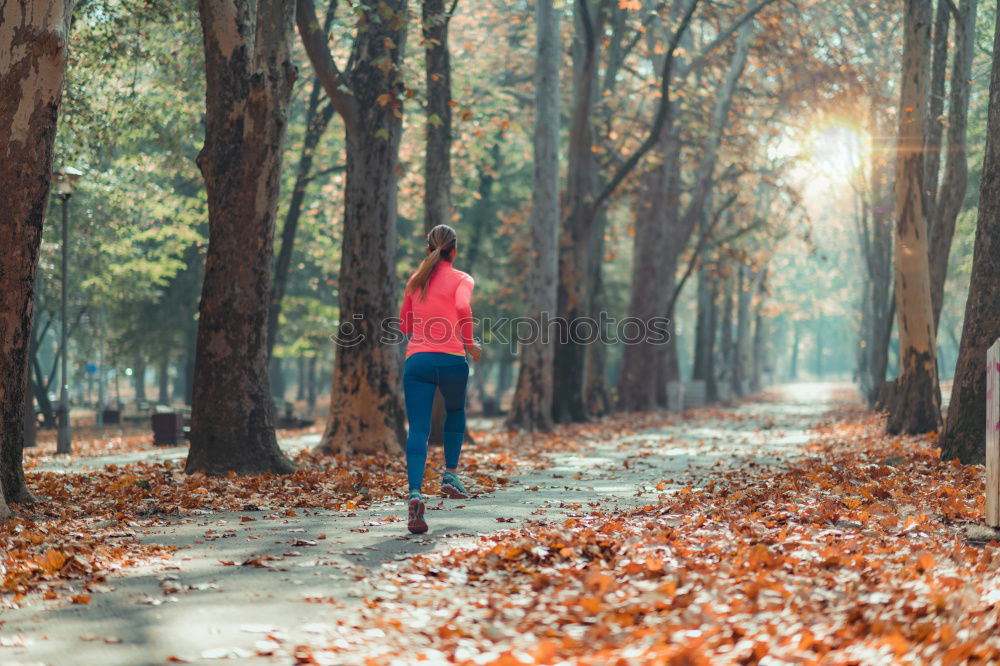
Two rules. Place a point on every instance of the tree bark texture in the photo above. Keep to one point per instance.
(659, 239)
(705, 333)
(139, 379)
(249, 76)
(935, 109)
(34, 38)
(948, 204)
(437, 164)
(742, 365)
(726, 366)
(569, 401)
(917, 408)
(597, 395)
(163, 381)
(964, 432)
(366, 405)
(760, 361)
(532, 405)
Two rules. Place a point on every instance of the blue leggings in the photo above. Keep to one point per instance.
(425, 373)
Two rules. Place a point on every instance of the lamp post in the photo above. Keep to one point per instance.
(65, 180)
(100, 370)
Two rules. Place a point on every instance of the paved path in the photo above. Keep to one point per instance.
(316, 564)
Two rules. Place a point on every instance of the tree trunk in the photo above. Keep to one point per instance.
(532, 406)
(705, 330)
(139, 379)
(741, 367)
(917, 407)
(311, 392)
(667, 360)
(965, 430)
(437, 165)
(705, 333)
(300, 378)
(249, 75)
(570, 372)
(956, 169)
(727, 350)
(596, 393)
(712, 332)
(759, 338)
(366, 407)
(935, 109)
(163, 379)
(34, 37)
(654, 263)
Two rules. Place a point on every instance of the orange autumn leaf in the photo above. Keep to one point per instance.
(53, 561)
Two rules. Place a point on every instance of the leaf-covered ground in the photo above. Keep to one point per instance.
(866, 551)
(83, 529)
(774, 538)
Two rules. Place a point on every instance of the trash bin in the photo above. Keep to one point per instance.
(112, 416)
(168, 429)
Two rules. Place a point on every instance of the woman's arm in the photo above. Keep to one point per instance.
(463, 306)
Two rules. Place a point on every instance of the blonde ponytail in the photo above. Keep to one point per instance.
(440, 242)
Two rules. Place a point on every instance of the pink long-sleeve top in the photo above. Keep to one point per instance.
(440, 318)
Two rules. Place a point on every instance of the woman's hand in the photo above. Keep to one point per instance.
(475, 350)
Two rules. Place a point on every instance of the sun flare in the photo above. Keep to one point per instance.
(832, 152)
(837, 151)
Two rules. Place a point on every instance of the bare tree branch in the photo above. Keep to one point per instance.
(588, 24)
(699, 247)
(314, 39)
(661, 113)
(702, 58)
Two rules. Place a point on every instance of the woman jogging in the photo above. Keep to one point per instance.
(437, 312)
